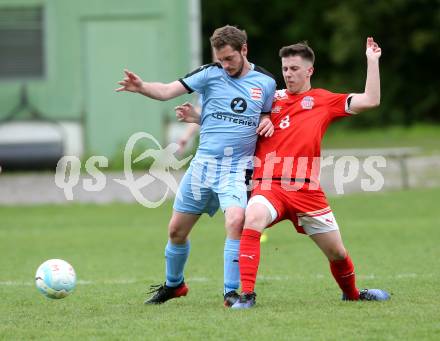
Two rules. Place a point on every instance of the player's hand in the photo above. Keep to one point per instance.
(131, 82)
(265, 128)
(187, 113)
(373, 51)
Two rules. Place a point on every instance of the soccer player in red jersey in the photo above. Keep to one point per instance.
(286, 182)
(286, 175)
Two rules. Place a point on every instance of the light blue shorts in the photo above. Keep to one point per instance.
(204, 189)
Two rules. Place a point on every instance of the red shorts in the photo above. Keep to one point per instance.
(302, 207)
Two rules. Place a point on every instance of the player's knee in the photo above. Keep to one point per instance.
(255, 218)
(337, 253)
(235, 222)
(176, 234)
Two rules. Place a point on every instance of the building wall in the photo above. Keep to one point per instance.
(87, 44)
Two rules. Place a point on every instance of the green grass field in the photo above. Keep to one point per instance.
(426, 137)
(117, 251)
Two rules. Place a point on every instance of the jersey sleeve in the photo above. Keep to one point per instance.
(196, 80)
(338, 105)
(268, 102)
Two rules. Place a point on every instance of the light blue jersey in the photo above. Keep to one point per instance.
(231, 109)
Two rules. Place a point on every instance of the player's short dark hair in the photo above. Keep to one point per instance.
(301, 49)
(228, 35)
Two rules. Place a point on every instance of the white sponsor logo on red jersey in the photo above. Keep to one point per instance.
(280, 94)
(256, 93)
(307, 102)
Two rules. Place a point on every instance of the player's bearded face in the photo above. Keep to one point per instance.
(231, 60)
(296, 73)
(238, 69)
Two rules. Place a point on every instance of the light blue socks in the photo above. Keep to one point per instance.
(231, 268)
(176, 256)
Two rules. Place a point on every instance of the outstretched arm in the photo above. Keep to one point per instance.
(370, 98)
(159, 91)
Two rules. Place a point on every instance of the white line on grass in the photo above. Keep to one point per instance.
(205, 279)
(100, 282)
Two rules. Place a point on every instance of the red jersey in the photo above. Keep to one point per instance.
(300, 121)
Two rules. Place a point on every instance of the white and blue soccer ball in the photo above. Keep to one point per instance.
(55, 278)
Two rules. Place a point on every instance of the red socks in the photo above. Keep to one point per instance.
(343, 272)
(249, 259)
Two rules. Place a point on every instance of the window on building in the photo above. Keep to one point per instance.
(21, 43)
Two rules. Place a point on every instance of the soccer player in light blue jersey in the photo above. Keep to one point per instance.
(236, 96)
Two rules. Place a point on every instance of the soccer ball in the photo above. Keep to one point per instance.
(55, 278)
